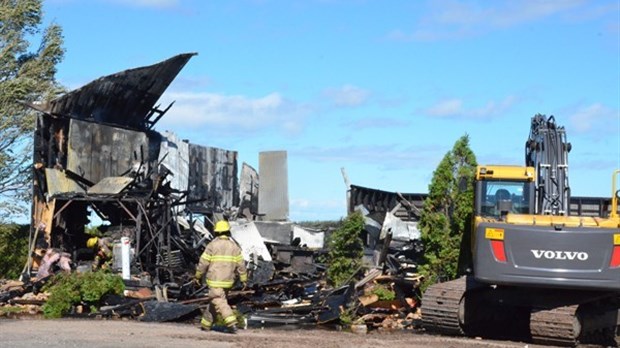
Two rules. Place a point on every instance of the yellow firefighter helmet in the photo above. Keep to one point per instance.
(221, 226)
(92, 242)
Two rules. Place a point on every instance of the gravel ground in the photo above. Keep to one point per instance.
(121, 333)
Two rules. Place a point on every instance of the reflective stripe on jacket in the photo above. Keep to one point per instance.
(220, 260)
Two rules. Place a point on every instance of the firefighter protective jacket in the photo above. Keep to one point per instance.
(221, 259)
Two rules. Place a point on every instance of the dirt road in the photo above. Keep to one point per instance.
(116, 333)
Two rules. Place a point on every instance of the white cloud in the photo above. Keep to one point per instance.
(377, 122)
(387, 157)
(595, 118)
(146, 3)
(347, 95)
(453, 108)
(234, 113)
(304, 203)
(446, 108)
(516, 12)
(451, 19)
(302, 209)
(300, 203)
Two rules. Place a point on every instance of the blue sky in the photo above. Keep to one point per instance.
(382, 89)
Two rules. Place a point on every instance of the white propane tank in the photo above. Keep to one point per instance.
(125, 257)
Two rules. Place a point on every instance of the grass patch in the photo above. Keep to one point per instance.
(11, 310)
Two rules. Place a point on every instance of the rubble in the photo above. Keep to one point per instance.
(101, 169)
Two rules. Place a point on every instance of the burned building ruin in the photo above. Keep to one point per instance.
(97, 157)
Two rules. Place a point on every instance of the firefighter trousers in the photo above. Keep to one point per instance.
(217, 304)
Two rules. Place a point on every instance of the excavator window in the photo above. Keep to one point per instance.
(507, 196)
(502, 195)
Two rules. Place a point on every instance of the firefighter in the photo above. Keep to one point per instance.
(103, 252)
(54, 258)
(220, 261)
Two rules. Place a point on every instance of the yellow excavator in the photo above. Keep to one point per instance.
(533, 272)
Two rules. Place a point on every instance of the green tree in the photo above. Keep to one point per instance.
(447, 213)
(26, 76)
(345, 250)
(13, 250)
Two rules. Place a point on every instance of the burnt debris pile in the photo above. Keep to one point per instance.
(112, 194)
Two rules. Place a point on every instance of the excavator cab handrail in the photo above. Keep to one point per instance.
(615, 193)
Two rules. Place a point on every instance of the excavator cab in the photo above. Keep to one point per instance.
(498, 198)
(501, 190)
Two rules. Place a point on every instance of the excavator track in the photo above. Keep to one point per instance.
(460, 308)
(558, 326)
(440, 307)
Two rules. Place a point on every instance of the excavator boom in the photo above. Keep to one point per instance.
(547, 151)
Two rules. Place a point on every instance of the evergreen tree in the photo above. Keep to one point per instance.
(346, 250)
(447, 212)
(26, 76)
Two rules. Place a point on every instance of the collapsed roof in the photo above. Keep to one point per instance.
(125, 99)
